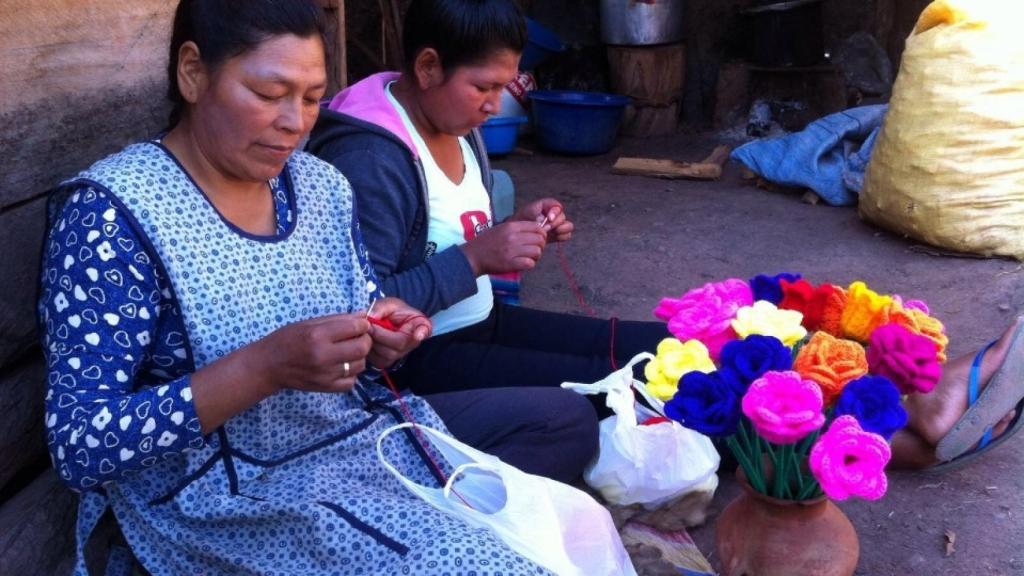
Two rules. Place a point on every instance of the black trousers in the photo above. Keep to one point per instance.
(496, 384)
(545, 431)
(518, 346)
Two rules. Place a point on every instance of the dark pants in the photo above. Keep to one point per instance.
(496, 383)
(545, 431)
(518, 346)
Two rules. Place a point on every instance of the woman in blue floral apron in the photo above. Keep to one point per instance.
(204, 303)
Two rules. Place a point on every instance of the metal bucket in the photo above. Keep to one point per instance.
(642, 22)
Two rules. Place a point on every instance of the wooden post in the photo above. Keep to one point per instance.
(391, 33)
(341, 53)
(337, 53)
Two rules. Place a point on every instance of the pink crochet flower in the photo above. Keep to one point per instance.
(783, 407)
(910, 360)
(847, 461)
(912, 304)
(705, 313)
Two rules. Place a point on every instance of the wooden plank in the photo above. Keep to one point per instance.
(80, 80)
(21, 235)
(22, 434)
(719, 156)
(37, 533)
(708, 169)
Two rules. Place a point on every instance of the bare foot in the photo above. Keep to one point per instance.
(911, 452)
(931, 416)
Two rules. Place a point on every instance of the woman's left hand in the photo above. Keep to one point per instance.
(550, 214)
(405, 327)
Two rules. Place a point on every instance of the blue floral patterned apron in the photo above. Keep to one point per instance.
(292, 485)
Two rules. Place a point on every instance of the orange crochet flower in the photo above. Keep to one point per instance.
(920, 323)
(833, 304)
(865, 310)
(831, 362)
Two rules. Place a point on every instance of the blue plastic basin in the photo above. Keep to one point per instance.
(540, 43)
(580, 123)
(500, 133)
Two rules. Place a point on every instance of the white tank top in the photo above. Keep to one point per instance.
(457, 213)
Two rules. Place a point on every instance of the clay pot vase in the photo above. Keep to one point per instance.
(757, 535)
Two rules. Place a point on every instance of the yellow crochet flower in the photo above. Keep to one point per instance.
(865, 310)
(766, 319)
(675, 358)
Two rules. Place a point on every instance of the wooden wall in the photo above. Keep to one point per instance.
(80, 80)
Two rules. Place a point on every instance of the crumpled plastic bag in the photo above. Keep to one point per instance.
(641, 464)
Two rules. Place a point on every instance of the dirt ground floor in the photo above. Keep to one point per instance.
(639, 239)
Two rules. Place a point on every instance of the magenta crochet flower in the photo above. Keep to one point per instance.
(706, 313)
(847, 461)
(910, 360)
(783, 407)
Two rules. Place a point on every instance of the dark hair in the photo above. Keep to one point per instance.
(462, 31)
(223, 29)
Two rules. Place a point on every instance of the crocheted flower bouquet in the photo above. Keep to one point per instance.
(808, 378)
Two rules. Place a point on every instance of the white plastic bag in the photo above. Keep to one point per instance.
(553, 524)
(648, 465)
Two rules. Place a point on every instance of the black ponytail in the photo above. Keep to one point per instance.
(462, 31)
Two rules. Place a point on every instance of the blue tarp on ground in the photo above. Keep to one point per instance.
(829, 156)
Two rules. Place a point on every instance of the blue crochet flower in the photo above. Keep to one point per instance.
(751, 357)
(875, 402)
(770, 287)
(707, 403)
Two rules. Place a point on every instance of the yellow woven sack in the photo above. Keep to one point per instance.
(948, 167)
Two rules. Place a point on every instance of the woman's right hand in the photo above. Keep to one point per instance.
(507, 247)
(317, 355)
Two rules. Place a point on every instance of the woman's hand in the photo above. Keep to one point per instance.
(396, 329)
(508, 247)
(551, 214)
(319, 355)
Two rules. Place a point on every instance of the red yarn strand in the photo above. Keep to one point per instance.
(574, 287)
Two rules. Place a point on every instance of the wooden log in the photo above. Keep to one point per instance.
(650, 120)
(650, 75)
(80, 80)
(22, 434)
(708, 169)
(37, 533)
(21, 235)
(653, 77)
